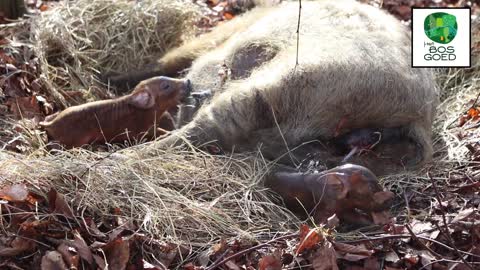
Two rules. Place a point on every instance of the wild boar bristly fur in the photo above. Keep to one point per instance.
(353, 68)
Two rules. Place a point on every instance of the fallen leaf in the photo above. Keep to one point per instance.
(462, 215)
(117, 253)
(149, 266)
(18, 246)
(468, 189)
(411, 259)
(58, 204)
(347, 248)
(100, 262)
(232, 265)
(426, 258)
(24, 107)
(352, 253)
(69, 256)
(270, 262)
(228, 16)
(52, 260)
(311, 239)
(82, 247)
(474, 113)
(43, 7)
(392, 257)
(325, 258)
(14, 193)
(371, 264)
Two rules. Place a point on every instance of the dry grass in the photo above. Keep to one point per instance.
(80, 41)
(178, 196)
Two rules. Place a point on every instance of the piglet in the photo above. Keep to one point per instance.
(342, 190)
(125, 118)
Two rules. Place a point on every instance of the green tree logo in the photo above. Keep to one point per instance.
(441, 27)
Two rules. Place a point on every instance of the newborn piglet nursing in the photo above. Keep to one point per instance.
(343, 190)
(364, 139)
(143, 113)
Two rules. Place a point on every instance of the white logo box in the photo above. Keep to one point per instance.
(423, 55)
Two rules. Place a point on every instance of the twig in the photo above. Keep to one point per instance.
(442, 211)
(400, 236)
(97, 162)
(245, 251)
(475, 102)
(298, 29)
(420, 242)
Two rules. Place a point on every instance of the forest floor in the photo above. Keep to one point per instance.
(93, 208)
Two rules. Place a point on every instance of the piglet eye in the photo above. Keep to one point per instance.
(166, 86)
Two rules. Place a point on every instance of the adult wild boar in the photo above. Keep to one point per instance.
(353, 72)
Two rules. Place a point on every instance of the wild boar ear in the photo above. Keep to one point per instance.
(335, 182)
(382, 197)
(142, 99)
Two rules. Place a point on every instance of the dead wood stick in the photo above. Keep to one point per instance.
(400, 236)
(442, 212)
(298, 29)
(245, 251)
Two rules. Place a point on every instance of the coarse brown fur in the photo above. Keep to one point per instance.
(353, 72)
(131, 117)
(341, 190)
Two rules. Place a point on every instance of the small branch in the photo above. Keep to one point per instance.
(442, 211)
(298, 29)
(420, 242)
(245, 251)
(400, 236)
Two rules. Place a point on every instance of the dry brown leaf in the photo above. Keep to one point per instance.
(149, 266)
(473, 113)
(14, 193)
(69, 256)
(117, 253)
(52, 260)
(371, 264)
(58, 204)
(99, 261)
(232, 265)
(347, 248)
(311, 239)
(325, 258)
(270, 262)
(18, 246)
(24, 107)
(82, 247)
(468, 189)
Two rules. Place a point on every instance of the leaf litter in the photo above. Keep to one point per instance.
(60, 210)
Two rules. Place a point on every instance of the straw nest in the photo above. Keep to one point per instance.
(177, 196)
(180, 196)
(80, 41)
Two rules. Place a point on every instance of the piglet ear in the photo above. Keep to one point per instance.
(142, 99)
(335, 183)
(382, 197)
